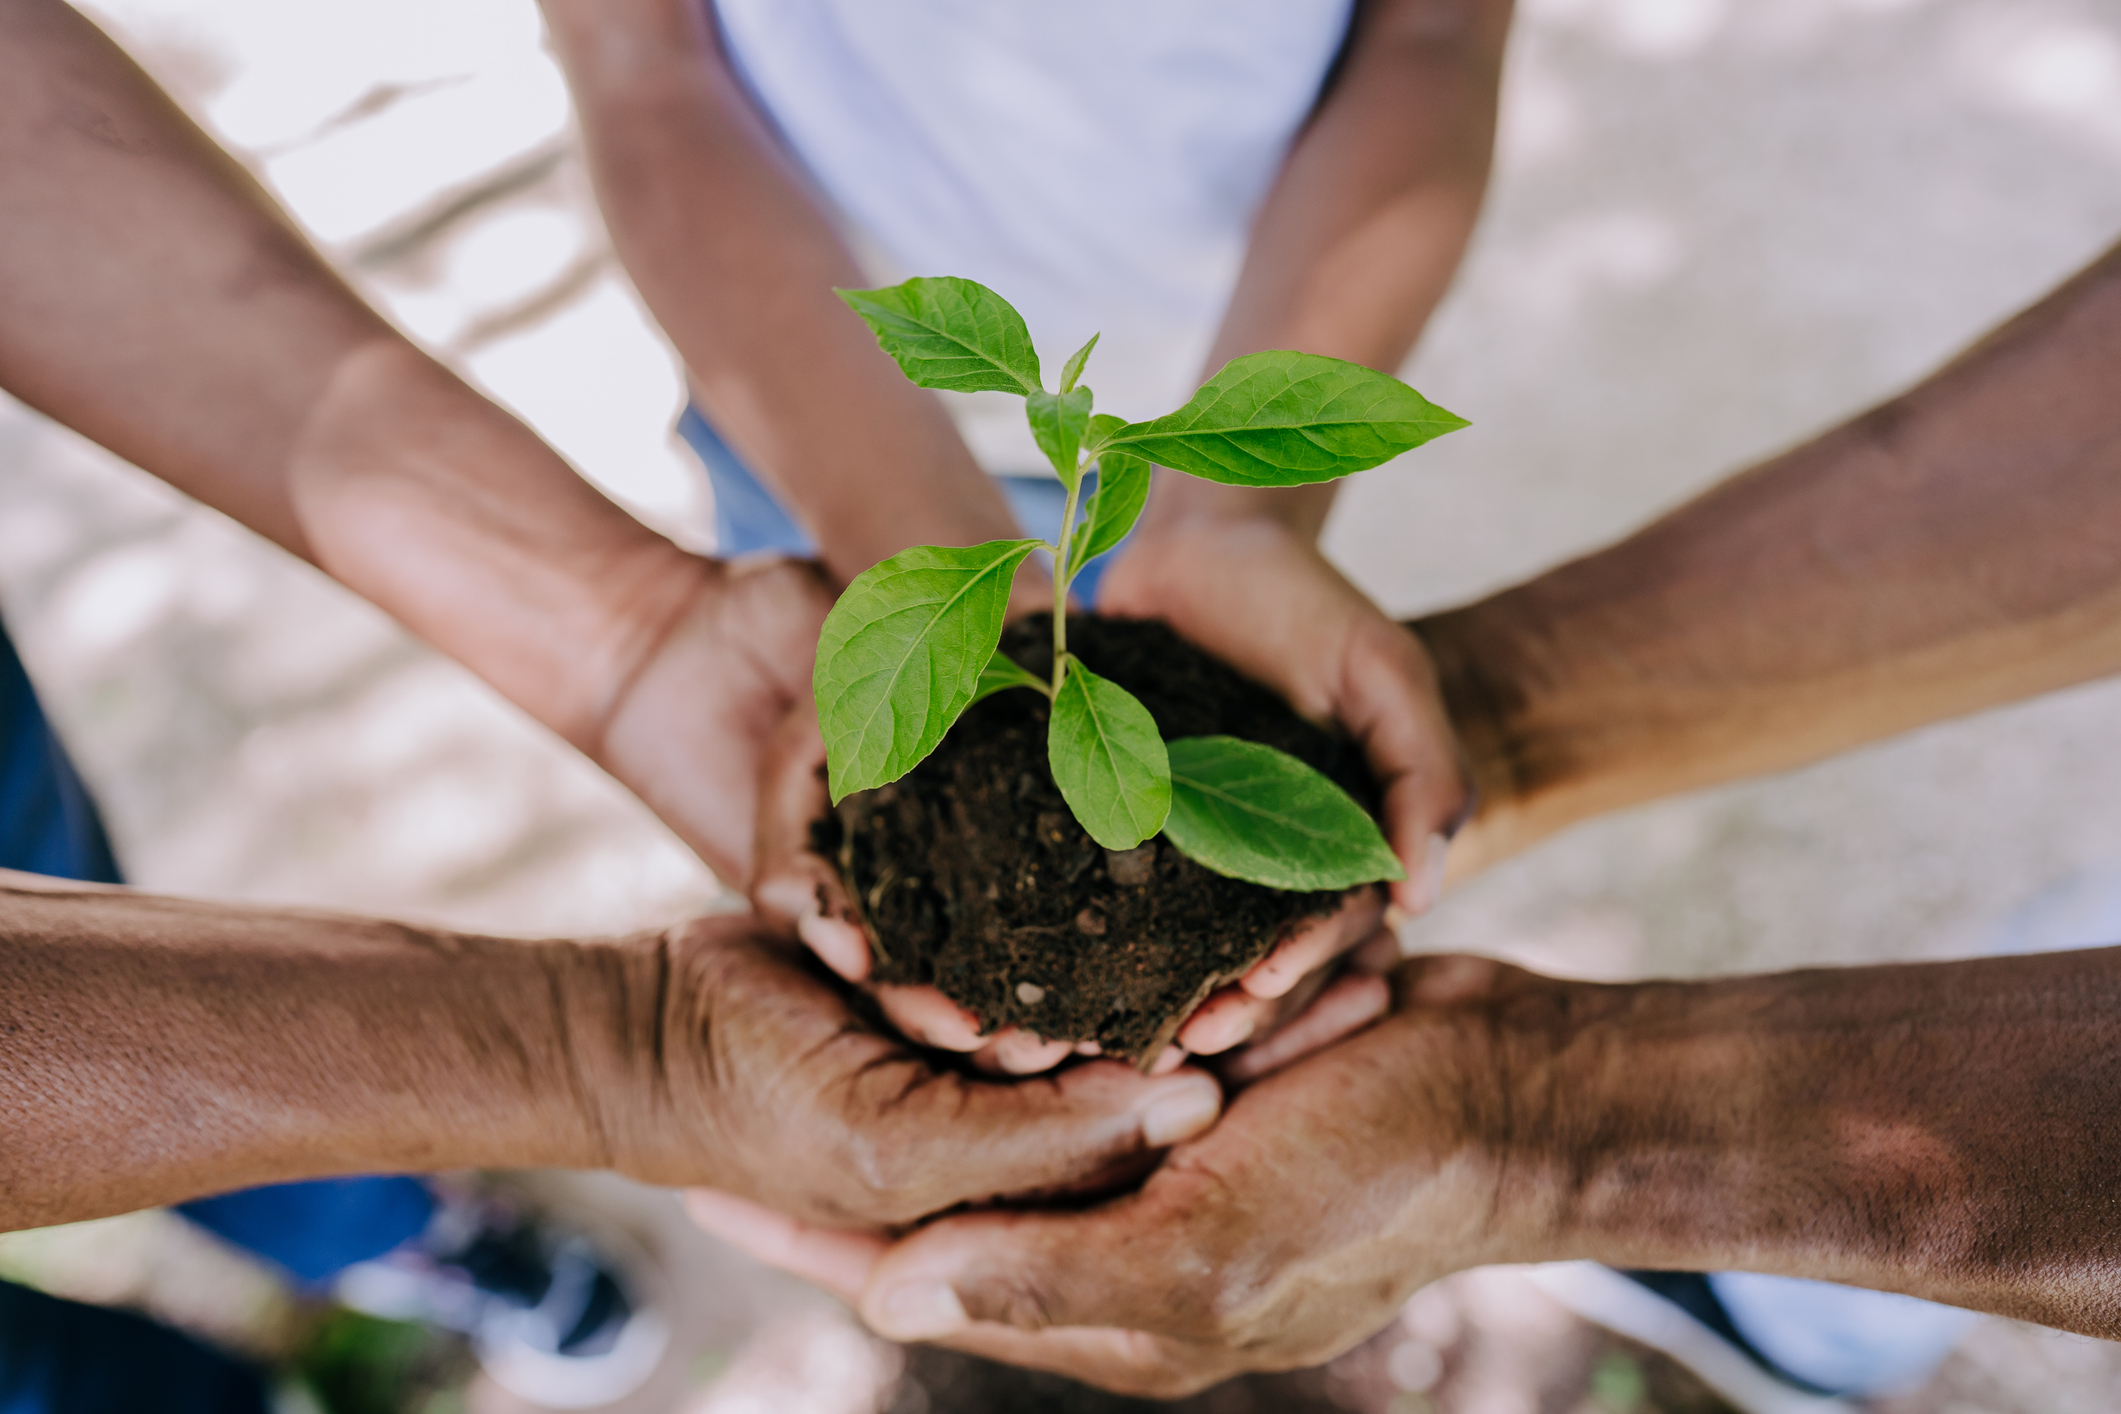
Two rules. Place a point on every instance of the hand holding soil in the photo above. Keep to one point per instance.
(772, 1088)
(1193, 829)
(1376, 1168)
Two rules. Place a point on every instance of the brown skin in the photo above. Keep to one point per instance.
(1952, 549)
(738, 259)
(155, 1049)
(153, 298)
(1350, 253)
(1949, 1130)
(1946, 1131)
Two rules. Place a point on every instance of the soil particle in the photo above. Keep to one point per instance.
(979, 881)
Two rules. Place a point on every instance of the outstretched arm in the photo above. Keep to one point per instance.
(153, 298)
(738, 260)
(1367, 221)
(156, 1049)
(1355, 245)
(1945, 1130)
(1953, 549)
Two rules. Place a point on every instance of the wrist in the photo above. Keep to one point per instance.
(1519, 1055)
(1540, 758)
(1737, 1124)
(614, 1001)
(454, 518)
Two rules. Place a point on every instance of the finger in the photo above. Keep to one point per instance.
(1385, 950)
(1343, 1008)
(791, 886)
(1228, 1018)
(925, 1015)
(1314, 943)
(1172, 1058)
(1019, 1052)
(804, 893)
(1112, 1267)
(932, 1140)
(1389, 703)
(836, 1259)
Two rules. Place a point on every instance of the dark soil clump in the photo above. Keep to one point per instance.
(976, 878)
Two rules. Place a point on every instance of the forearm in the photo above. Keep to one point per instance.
(1954, 549)
(1368, 219)
(738, 261)
(155, 1049)
(1945, 1130)
(154, 299)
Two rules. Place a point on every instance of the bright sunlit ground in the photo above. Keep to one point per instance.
(1715, 229)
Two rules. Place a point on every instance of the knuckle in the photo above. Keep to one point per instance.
(880, 1179)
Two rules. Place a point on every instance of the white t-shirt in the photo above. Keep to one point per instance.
(1098, 163)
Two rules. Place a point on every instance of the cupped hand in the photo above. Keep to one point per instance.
(1261, 597)
(799, 891)
(739, 1067)
(688, 727)
(1329, 1192)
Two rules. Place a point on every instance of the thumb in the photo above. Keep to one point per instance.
(956, 1139)
(1038, 1271)
(791, 886)
(1388, 701)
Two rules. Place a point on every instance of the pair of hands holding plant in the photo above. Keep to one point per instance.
(913, 643)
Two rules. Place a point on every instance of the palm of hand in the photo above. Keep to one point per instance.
(689, 730)
(1262, 598)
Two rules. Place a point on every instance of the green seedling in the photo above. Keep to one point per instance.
(914, 641)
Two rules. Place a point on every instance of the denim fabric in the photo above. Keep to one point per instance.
(748, 519)
(61, 1357)
(48, 824)
(315, 1230)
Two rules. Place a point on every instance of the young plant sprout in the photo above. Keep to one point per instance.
(913, 641)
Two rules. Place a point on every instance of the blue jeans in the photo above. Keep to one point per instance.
(747, 518)
(59, 1357)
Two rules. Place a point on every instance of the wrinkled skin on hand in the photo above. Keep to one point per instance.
(756, 1077)
(1262, 598)
(1331, 1191)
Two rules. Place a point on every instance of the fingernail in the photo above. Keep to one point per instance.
(921, 1313)
(1181, 1111)
(1435, 854)
(1215, 1034)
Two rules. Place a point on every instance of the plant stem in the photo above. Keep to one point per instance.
(1062, 573)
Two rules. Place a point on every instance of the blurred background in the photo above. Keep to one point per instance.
(1714, 229)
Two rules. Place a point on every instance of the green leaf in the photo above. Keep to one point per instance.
(1058, 421)
(952, 334)
(1108, 760)
(902, 652)
(1002, 672)
(1102, 427)
(1283, 419)
(1073, 369)
(1252, 812)
(1122, 490)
